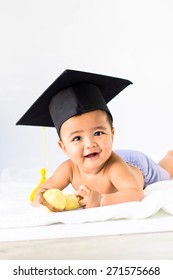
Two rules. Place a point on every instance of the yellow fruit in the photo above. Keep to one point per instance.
(56, 198)
(72, 202)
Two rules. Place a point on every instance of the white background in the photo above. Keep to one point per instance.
(39, 39)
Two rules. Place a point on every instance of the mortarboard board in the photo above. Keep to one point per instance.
(72, 93)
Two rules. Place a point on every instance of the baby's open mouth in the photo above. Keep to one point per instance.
(91, 155)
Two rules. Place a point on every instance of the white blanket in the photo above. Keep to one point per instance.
(20, 220)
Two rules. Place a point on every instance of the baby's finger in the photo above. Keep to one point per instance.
(82, 202)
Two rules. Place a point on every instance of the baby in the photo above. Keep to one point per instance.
(99, 175)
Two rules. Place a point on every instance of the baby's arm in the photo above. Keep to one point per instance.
(59, 180)
(122, 196)
(128, 183)
(91, 198)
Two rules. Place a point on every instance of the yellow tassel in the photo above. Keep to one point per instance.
(45, 162)
(43, 179)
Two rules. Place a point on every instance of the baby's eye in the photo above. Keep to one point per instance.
(98, 133)
(77, 138)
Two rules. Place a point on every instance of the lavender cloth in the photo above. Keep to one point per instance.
(151, 171)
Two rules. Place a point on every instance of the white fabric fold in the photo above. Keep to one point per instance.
(17, 212)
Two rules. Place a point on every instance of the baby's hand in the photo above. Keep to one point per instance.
(89, 198)
(36, 199)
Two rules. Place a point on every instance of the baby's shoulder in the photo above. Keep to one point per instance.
(114, 160)
(116, 164)
(68, 165)
(63, 173)
(64, 168)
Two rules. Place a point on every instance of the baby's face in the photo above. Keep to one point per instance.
(87, 139)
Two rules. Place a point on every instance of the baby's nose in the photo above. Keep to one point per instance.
(90, 144)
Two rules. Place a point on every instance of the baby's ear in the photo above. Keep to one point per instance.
(62, 146)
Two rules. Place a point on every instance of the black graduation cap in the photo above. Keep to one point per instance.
(72, 93)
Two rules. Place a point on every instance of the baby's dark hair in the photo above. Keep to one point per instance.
(109, 118)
